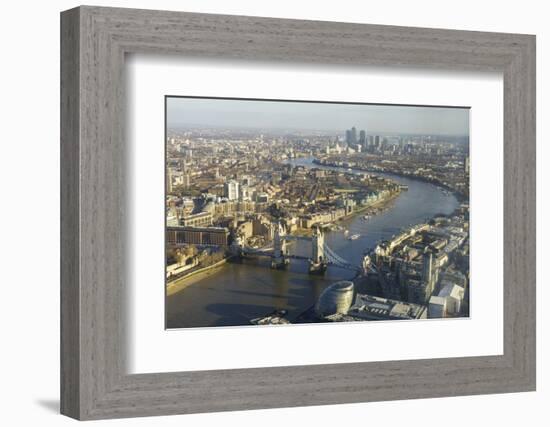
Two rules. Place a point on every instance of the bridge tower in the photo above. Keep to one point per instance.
(236, 247)
(318, 262)
(367, 264)
(278, 259)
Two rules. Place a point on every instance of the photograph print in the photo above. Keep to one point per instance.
(282, 212)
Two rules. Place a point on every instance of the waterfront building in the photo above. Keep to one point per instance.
(178, 268)
(336, 299)
(368, 307)
(307, 221)
(179, 236)
(348, 205)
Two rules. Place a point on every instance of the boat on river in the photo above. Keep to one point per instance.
(275, 318)
(354, 237)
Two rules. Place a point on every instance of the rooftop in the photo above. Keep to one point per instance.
(369, 307)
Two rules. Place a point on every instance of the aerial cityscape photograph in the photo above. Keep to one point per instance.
(286, 212)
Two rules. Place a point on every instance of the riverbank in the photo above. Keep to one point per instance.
(380, 204)
(184, 281)
(459, 196)
(379, 207)
(236, 292)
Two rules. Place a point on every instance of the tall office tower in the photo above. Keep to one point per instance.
(363, 138)
(348, 137)
(353, 135)
(231, 189)
(370, 142)
(377, 141)
(420, 291)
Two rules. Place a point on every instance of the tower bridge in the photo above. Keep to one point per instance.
(321, 256)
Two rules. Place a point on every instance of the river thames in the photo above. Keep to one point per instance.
(236, 292)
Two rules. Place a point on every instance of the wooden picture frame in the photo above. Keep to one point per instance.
(94, 41)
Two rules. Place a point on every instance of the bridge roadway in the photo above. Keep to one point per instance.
(331, 257)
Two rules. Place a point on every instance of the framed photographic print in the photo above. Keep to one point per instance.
(262, 213)
(277, 216)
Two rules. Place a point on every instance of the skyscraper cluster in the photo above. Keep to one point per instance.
(353, 139)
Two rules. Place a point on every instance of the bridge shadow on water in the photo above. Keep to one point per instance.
(258, 294)
(246, 289)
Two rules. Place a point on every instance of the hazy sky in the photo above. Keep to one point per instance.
(183, 112)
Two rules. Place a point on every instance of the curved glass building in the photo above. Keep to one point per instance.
(336, 299)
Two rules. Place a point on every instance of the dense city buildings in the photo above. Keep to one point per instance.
(235, 194)
(444, 161)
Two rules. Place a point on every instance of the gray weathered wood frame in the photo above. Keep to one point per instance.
(94, 41)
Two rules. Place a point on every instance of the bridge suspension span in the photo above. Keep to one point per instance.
(321, 256)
